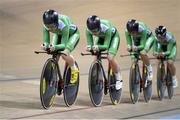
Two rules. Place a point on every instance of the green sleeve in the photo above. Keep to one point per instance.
(65, 36)
(55, 41)
(89, 38)
(155, 46)
(46, 37)
(107, 40)
(169, 48)
(142, 41)
(96, 40)
(128, 38)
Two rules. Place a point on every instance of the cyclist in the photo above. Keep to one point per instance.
(102, 35)
(165, 46)
(140, 38)
(65, 38)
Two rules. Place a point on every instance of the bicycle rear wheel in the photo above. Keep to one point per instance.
(161, 86)
(147, 87)
(134, 83)
(170, 88)
(48, 83)
(70, 90)
(115, 95)
(95, 83)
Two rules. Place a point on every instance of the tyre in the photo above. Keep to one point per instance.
(95, 83)
(161, 86)
(134, 83)
(48, 83)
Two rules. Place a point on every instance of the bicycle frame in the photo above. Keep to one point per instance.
(136, 63)
(99, 58)
(55, 56)
(141, 75)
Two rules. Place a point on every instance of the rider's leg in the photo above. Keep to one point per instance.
(171, 67)
(73, 41)
(145, 59)
(116, 70)
(114, 45)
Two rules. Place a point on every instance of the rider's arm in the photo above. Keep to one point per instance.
(96, 40)
(128, 38)
(55, 43)
(89, 38)
(106, 41)
(142, 41)
(46, 37)
(155, 47)
(169, 48)
(65, 38)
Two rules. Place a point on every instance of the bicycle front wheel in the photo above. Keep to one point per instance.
(95, 83)
(134, 83)
(161, 86)
(48, 83)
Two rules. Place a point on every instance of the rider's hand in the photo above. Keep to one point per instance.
(95, 48)
(135, 48)
(161, 55)
(88, 48)
(43, 47)
(52, 48)
(155, 54)
(129, 48)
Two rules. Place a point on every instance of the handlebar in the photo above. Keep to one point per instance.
(97, 54)
(151, 58)
(94, 53)
(50, 53)
(126, 55)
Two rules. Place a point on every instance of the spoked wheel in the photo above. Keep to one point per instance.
(147, 87)
(161, 86)
(70, 90)
(95, 83)
(115, 95)
(134, 83)
(170, 88)
(48, 83)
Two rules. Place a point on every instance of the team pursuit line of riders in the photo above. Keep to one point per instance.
(101, 35)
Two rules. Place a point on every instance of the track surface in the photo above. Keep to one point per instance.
(20, 68)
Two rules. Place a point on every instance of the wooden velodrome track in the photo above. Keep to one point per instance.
(20, 68)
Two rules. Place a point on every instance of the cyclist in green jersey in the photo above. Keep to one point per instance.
(165, 46)
(140, 38)
(65, 38)
(102, 35)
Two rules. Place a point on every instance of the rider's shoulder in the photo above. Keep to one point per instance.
(142, 26)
